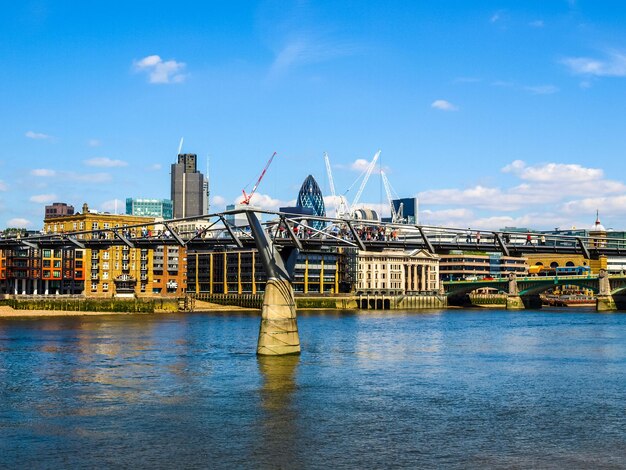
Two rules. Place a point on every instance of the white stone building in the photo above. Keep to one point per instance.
(396, 272)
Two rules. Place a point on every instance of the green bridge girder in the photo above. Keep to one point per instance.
(535, 284)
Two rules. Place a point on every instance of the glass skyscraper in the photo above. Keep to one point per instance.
(310, 196)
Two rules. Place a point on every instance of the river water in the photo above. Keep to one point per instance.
(445, 389)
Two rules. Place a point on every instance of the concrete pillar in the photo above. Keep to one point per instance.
(409, 281)
(23, 286)
(306, 274)
(278, 334)
(46, 287)
(424, 277)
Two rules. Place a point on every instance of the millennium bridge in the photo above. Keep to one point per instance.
(281, 236)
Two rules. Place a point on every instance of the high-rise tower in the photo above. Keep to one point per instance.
(189, 187)
(310, 196)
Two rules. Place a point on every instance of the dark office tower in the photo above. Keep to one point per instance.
(189, 187)
(310, 196)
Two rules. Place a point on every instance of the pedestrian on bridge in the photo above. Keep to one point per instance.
(478, 237)
(468, 238)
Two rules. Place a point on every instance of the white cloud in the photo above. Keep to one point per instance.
(3, 186)
(218, 200)
(553, 172)
(72, 176)
(266, 202)
(443, 105)
(94, 143)
(608, 204)
(37, 135)
(536, 24)
(542, 89)
(160, 71)
(18, 222)
(43, 172)
(303, 50)
(43, 198)
(495, 17)
(360, 165)
(613, 65)
(155, 167)
(114, 206)
(105, 162)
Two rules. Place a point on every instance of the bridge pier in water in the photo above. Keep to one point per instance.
(278, 332)
(604, 300)
(513, 299)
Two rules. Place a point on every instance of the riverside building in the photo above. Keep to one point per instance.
(396, 272)
(116, 271)
(458, 266)
(241, 272)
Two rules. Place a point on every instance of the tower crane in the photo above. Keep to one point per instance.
(247, 197)
(370, 168)
(341, 206)
(396, 216)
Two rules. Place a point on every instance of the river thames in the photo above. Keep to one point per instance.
(453, 389)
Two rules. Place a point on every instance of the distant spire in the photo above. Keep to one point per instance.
(597, 217)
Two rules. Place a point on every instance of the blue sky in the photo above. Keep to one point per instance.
(494, 113)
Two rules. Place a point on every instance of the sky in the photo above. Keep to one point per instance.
(493, 113)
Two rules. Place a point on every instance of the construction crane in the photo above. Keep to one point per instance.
(247, 197)
(396, 216)
(341, 205)
(370, 168)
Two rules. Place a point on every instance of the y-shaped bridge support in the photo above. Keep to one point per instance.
(278, 334)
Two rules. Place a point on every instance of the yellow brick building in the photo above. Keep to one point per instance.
(117, 270)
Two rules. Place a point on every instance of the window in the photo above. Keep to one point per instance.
(94, 286)
(46, 263)
(94, 226)
(105, 275)
(47, 253)
(105, 286)
(57, 263)
(56, 274)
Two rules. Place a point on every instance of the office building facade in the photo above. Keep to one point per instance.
(158, 208)
(58, 209)
(189, 188)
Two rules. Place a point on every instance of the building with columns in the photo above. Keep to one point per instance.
(396, 272)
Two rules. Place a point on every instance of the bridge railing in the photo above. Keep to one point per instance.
(325, 230)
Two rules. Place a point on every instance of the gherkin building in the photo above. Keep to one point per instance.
(310, 196)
